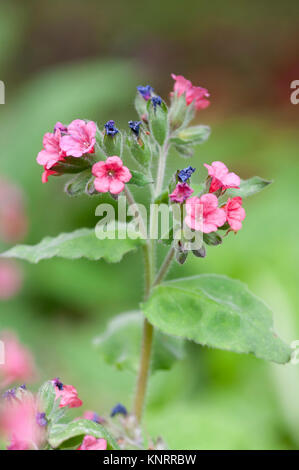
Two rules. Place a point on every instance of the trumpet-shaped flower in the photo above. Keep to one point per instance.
(194, 94)
(68, 395)
(234, 213)
(181, 192)
(80, 138)
(111, 175)
(203, 213)
(52, 152)
(221, 177)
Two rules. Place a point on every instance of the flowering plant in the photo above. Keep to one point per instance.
(209, 309)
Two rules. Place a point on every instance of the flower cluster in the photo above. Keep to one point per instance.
(203, 212)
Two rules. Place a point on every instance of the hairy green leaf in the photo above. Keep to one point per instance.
(216, 311)
(72, 434)
(249, 187)
(121, 342)
(139, 179)
(82, 243)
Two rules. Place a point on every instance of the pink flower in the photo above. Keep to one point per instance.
(92, 416)
(68, 395)
(52, 152)
(19, 364)
(221, 178)
(199, 95)
(10, 279)
(46, 174)
(234, 213)
(195, 94)
(181, 192)
(13, 220)
(111, 175)
(204, 214)
(80, 139)
(92, 443)
(19, 424)
(182, 85)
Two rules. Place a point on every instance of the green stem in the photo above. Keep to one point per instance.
(150, 281)
(165, 266)
(161, 168)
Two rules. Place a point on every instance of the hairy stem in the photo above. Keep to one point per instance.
(165, 266)
(161, 168)
(150, 281)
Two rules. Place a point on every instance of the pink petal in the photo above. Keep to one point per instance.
(102, 184)
(114, 162)
(116, 186)
(124, 174)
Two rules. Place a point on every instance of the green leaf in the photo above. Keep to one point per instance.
(139, 179)
(192, 135)
(72, 434)
(212, 239)
(46, 398)
(249, 187)
(216, 311)
(163, 198)
(82, 243)
(77, 186)
(158, 121)
(121, 342)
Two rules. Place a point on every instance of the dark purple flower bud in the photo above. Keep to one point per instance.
(186, 173)
(23, 387)
(135, 126)
(58, 384)
(96, 418)
(156, 100)
(10, 394)
(145, 91)
(41, 419)
(110, 128)
(60, 126)
(118, 409)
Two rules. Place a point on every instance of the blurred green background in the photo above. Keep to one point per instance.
(70, 59)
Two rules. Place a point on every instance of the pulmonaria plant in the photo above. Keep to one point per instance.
(209, 309)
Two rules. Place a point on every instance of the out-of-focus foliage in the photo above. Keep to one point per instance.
(86, 62)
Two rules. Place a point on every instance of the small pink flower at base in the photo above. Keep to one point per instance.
(203, 213)
(19, 425)
(111, 175)
(68, 395)
(19, 364)
(10, 279)
(234, 213)
(92, 443)
(52, 152)
(181, 192)
(221, 178)
(80, 139)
